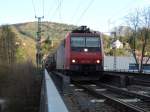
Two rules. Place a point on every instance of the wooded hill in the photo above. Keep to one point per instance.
(25, 36)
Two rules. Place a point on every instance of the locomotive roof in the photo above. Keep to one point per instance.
(84, 31)
(85, 34)
(81, 29)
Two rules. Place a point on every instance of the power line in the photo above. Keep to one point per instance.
(60, 8)
(51, 7)
(57, 8)
(34, 8)
(114, 18)
(43, 7)
(75, 11)
(90, 3)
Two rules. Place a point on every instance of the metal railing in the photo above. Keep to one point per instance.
(51, 100)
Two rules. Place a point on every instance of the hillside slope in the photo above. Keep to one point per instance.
(26, 33)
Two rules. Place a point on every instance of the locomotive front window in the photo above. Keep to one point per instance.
(92, 42)
(78, 42)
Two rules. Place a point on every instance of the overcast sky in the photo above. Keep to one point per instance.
(100, 15)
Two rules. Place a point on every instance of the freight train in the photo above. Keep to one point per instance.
(79, 54)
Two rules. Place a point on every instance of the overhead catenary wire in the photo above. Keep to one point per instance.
(34, 8)
(51, 8)
(76, 10)
(57, 9)
(60, 8)
(37, 11)
(114, 19)
(84, 11)
(43, 6)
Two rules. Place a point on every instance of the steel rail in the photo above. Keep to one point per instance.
(128, 107)
(125, 92)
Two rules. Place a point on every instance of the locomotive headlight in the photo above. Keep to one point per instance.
(97, 61)
(85, 50)
(73, 61)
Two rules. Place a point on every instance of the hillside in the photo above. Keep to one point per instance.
(26, 33)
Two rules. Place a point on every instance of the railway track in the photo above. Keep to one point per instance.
(124, 79)
(83, 96)
(120, 99)
(141, 82)
(139, 89)
(81, 101)
(143, 94)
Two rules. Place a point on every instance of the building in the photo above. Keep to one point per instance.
(117, 44)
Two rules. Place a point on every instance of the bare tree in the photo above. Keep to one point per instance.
(133, 21)
(145, 33)
(139, 21)
(7, 45)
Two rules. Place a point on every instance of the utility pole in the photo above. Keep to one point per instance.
(114, 48)
(115, 59)
(38, 43)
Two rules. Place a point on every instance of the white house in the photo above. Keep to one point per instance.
(117, 44)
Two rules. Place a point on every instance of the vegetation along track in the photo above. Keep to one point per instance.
(123, 101)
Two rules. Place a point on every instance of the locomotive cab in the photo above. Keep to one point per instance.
(85, 51)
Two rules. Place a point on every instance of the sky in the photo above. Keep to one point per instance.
(101, 15)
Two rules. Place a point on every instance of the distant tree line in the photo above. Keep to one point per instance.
(7, 45)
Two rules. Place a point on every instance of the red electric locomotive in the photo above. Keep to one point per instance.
(81, 53)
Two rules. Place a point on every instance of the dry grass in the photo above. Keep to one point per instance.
(20, 85)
